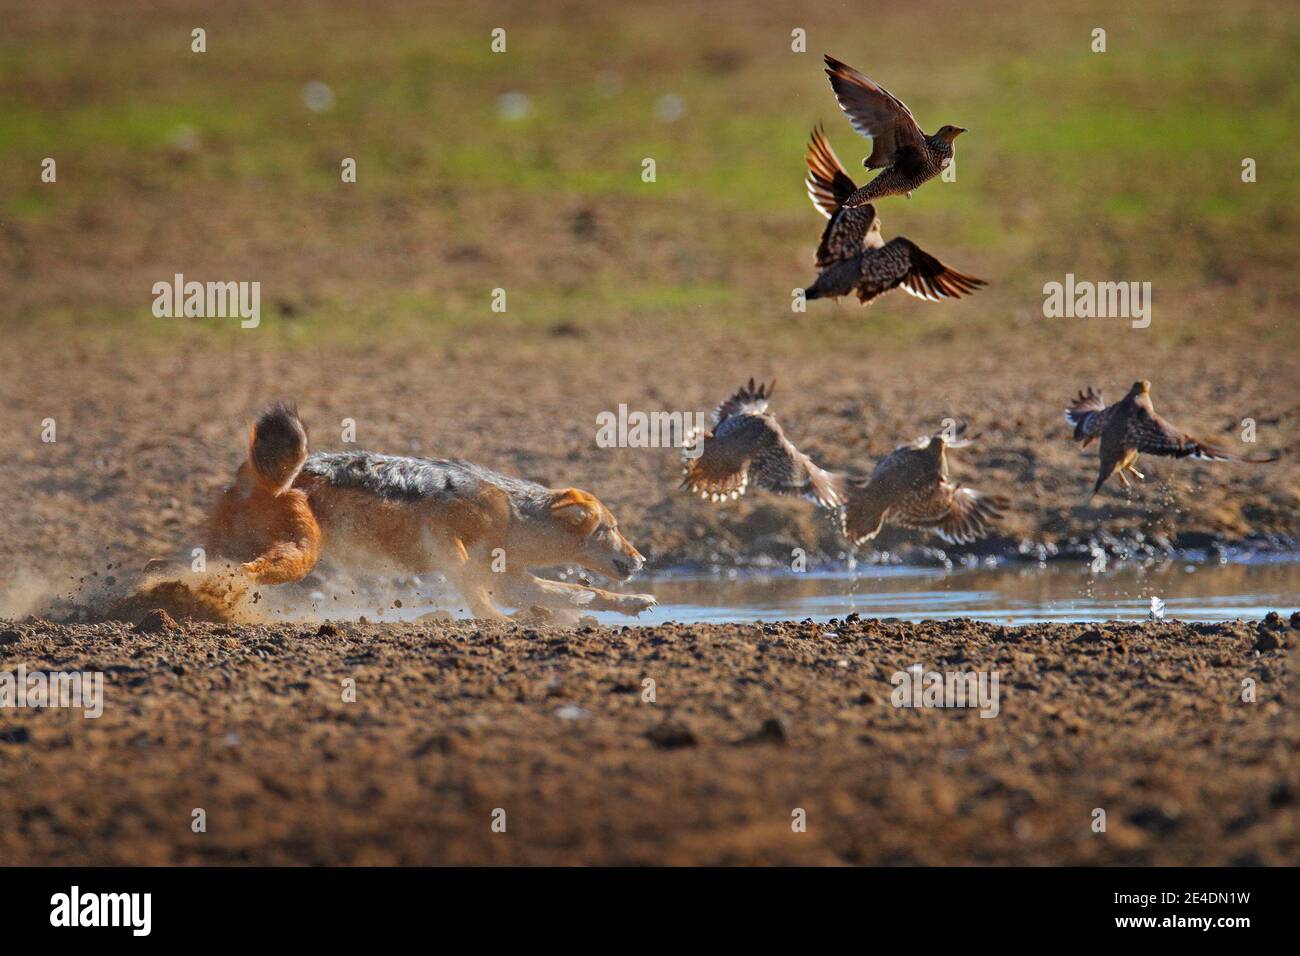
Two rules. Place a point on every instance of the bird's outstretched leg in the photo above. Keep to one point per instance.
(1124, 478)
(1127, 465)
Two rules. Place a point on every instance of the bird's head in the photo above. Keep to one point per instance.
(874, 229)
(952, 435)
(949, 133)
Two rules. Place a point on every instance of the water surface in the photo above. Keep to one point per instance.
(1006, 593)
(1012, 594)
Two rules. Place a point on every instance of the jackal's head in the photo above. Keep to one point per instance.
(592, 537)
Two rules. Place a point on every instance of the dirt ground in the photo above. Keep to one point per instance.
(117, 428)
(660, 297)
(452, 722)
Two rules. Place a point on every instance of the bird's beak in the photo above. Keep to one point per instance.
(958, 131)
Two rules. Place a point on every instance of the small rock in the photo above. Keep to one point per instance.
(1269, 640)
(438, 743)
(771, 732)
(1155, 819)
(327, 630)
(671, 735)
(157, 621)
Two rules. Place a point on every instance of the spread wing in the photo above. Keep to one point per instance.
(957, 514)
(849, 230)
(749, 399)
(1152, 435)
(927, 277)
(749, 447)
(874, 112)
(907, 488)
(1088, 414)
(869, 500)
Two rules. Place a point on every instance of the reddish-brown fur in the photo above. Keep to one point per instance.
(278, 533)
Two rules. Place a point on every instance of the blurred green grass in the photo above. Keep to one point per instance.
(1122, 165)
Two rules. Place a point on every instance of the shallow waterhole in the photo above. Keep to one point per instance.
(1005, 593)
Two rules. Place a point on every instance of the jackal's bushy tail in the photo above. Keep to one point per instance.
(277, 447)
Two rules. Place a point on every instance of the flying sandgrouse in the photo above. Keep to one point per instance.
(906, 155)
(1130, 427)
(746, 444)
(853, 257)
(910, 487)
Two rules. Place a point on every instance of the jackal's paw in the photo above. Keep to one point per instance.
(634, 604)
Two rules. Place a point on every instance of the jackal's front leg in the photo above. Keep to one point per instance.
(474, 584)
(523, 590)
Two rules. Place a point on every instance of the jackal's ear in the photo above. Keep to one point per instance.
(576, 508)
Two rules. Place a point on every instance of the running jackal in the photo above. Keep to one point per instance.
(382, 514)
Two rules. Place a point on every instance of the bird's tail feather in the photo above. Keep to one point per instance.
(1079, 414)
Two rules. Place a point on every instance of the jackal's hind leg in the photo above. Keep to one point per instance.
(295, 539)
(283, 562)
